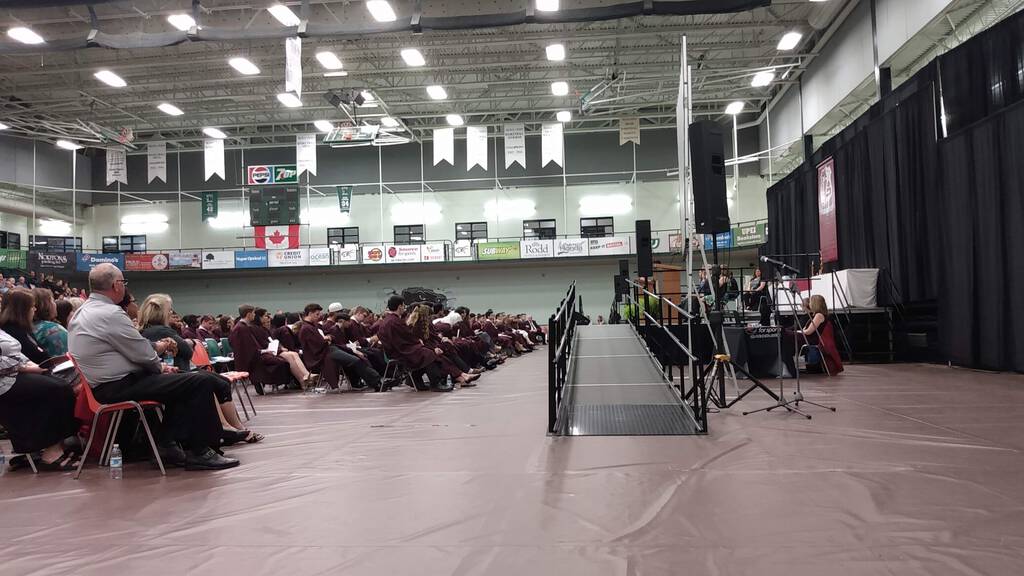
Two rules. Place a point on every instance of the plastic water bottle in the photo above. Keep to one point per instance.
(116, 463)
(3, 462)
(169, 360)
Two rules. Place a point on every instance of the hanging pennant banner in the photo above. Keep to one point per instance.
(476, 147)
(117, 171)
(293, 66)
(345, 199)
(827, 211)
(515, 145)
(305, 153)
(211, 202)
(551, 144)
(213, 149)
(629, 130)
(156, 161)
(444, 145)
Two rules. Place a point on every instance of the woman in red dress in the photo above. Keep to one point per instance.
(819, 333)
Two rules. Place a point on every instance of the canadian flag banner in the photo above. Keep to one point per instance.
(274, 237)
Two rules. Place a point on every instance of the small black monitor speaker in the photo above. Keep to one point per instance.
(644, 258)
(707, 157)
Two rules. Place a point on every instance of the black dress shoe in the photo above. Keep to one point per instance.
(442, 387)
(208, 460)
(171, 455)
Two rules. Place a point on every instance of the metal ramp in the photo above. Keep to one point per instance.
(615, 388)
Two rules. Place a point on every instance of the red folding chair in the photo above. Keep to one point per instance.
(117, 410)
(239, 380)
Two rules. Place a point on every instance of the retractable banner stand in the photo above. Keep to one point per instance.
(476, 147)
(156, 161)
(551, 144)
(305, 153)
(117, 170)
(213, 156)
(629, 130)
(827, 211)
(515, 145)
(444, 145)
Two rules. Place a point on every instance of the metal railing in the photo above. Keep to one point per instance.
(561, 331)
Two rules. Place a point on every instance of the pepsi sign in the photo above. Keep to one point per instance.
(266, 174)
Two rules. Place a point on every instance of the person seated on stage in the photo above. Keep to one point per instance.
(755, 290)
(16, 317)
(703, 284)
(402, 344)
(454, 366)
(280, 331)
(250, 341)
(819, 333)
(120, 365)
(317, 346)
(207, 328)
(50, 335)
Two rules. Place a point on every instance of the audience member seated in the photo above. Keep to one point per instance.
(317, 347)
(207, 326)
(819, 333)
(64, 310)
(119, 364)
(50, 335)
(190, 323)
(16, 319)
(755, 290)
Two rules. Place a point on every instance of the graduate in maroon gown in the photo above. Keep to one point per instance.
(317, 348)
(265, 370)
(280, 331)
(206, 329)
(260, 326)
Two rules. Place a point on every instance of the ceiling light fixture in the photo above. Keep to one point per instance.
(389, 122)
(789, 40)
(182, 22)
(3, 126)
(324, 126)
(67, 145)
(381, 10)
(413, 57)
(288, 99)
(437, 92)
(53, 227)
(335, 74)
(328, 60)
(762, 79)
(555, 52)
(214, 133)
(25, 35)
(564, 116)
(454, 120)
(170, 109)
(110, 79)
(734, 108)
(244, 66)
(547, 5)
(559, 88)
(284, 15)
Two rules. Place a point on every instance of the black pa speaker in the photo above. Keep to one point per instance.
(644, 259)
(624, 268)
(707, 157)
(621, 288)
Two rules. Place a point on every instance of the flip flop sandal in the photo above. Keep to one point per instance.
(232, 437)
(66, 463)
(254, 437)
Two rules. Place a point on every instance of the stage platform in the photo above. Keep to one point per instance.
(918, 474)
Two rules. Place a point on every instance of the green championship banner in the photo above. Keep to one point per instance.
(210, 205)
(751, 234)
(13, 259)
(345, 199)
(497, 251)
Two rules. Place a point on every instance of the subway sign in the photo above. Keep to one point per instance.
(266, 174)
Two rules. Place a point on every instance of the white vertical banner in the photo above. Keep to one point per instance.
(293, 66)
(305, 153)
(156, 161)
(515, 145)
(213, 152)
(551, 144)
(117, 171)
(476, 147)
(629, 130)
(444, 145)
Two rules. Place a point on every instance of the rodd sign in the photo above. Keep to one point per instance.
(265, 174)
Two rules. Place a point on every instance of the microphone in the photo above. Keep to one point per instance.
(780, 264)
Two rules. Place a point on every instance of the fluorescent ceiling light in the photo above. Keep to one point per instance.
(110, 79)
(328, 60)
(381, 10)
(182, 22)
(564, 116)
(413, 57)
(335, 74)
(3, 126)
(790, 40)
(437, 92)
(244, 66)
(389, 122)
(368, 96)
(52, 227)
(68, 145)
(547, 5)
(559, 88)
(606, 205)
(214, 133)
(762, 79)
(284, 15)
(734, 108)
(25, 35)
(323, 125)
(288, 99)
(454, 120)
(555, 52)
(170, 109)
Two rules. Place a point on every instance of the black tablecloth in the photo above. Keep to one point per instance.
(757, 351)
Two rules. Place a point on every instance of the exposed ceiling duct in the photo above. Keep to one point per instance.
(19, 208)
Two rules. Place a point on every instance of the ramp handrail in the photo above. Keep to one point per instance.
(561, 330)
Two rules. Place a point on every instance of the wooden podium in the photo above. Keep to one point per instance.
(668, 283)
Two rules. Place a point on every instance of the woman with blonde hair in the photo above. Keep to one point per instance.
(819, 333)
(420, 322)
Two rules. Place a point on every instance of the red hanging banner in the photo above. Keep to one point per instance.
(827, 211)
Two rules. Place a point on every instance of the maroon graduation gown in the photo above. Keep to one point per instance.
(246, 342)
(402, 344)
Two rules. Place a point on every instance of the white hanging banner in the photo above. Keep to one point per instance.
(156, 161)
(213, 149)
(293, 66)
(476, 147)
(117, 171)
(444, 145)
(305, 153)
(629, 130)
(551, 144)
(515, 145)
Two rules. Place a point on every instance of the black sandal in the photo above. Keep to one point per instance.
(232, 437)
(66, 463)
(254, 437)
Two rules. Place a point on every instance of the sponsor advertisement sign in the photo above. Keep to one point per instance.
(462, 250)
(52, 261)
(264, 174)
(571, 247)
(251, 259)
(609, 246)
(185, 260)
(344, 253)
(373, 254)
(497, 251)
(723, 239)
(402, 254)
(751, 234)
(87, 262)
(286, 258)
(223, 260)
(537, 248)
(13, 259)
(320, 256)
(433, 252)
(145, 262)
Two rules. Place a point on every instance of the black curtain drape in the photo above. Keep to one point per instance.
(793, 219)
